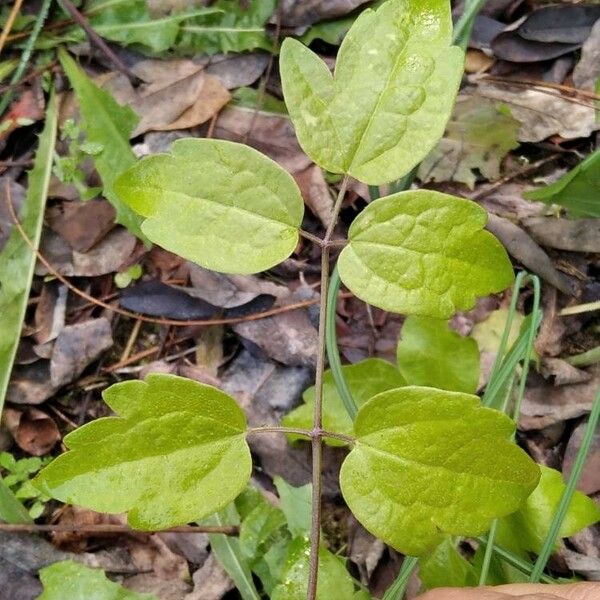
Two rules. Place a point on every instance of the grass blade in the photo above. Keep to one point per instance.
(17, 258)
(228, 553)
(565, 500)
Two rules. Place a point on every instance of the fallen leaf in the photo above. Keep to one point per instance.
(567, 23)
(589, 483)
(316, 193)
(478, 136)
(511, 46)
(300, 13)
(561, 372)
(50, 312)
(577, 235)
(543, 113)
(587, 70)
(290, 337)
(161, 300)
(273, 135)
(236, 70)
(228, 291)
(76, 347)
(521, 246)
(26, 109)
(33, 431)
(16, 583)
(545, 404)
(211, 581)
(81, 224)
(106, 257)
(17, 195)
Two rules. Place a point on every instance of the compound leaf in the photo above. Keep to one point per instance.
(525, 530)
(433, 355)
(365, 379)
(334, 579)
(428, 462)
(68, 580)
(108, 125)
(395, 81)
(422, 252)
(220, 204)
(577, 190)
(17, 259)
(167, 459)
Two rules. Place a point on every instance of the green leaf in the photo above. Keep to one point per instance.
(365, 379)
(68, 580)
(240, 26)
(526, 530)
(445, 566)
(577, 190)
(428, 462)
(296, 506)
(17, 259)
(396, 78)
(130, 23)
(107, 124)
(433, 355)
(229, 554)
(248, 97)
(478, 136)
(220, 204)
(422, 252)
(11, 510)
(334, 579)
(167, 458)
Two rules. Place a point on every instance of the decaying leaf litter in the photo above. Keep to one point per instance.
(105, 306)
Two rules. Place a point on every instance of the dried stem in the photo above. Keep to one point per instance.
(317, 431)
(14, 11)
(98, 41)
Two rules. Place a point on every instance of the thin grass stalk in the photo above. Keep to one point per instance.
(567, 496)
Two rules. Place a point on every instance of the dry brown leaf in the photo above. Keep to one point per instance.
(590, 476)
(574, 235)
(33, 431)
(316, 193)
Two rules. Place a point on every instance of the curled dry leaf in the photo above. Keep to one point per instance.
(587, 70)
(315, 192)
(50, 312)
(575, 235)
(590, 477)
(33, 431)
(211, 581)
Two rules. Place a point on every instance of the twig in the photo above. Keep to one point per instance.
(174, 322)
(101, 528)
(131, 341)
(317, 431)
(579, 309)
(482, 192)
(10, 22)
(98, 41)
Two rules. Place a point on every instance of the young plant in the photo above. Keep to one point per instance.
(423, 462)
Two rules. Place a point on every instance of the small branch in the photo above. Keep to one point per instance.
(579, 309)
(316, 444)
(98, 41)
(120, 529)
(311, 237)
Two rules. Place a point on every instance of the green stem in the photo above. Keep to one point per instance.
(513, 560)
(565, 500)
(464, 26)
(585, 358)
(24, 61)
(333, 352)
(398, 588)
(487, 555)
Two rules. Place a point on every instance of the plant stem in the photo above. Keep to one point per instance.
(567, 495)
(108, 528)
(316, 444)
(464, 26)
(579, 308)
(487, 555)
(585, 358)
